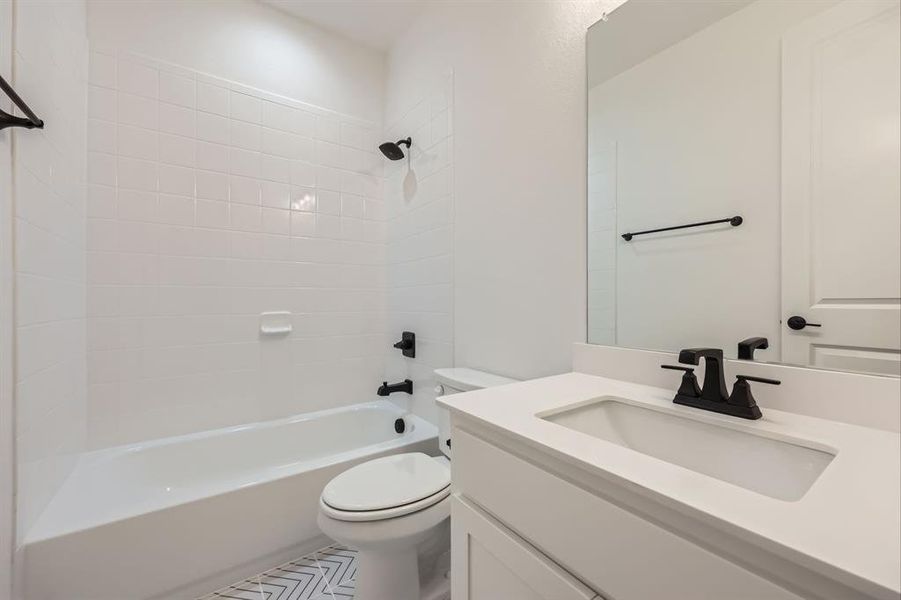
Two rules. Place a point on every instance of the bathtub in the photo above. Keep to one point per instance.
(177, 517)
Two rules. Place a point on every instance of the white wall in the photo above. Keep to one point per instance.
(692, 134)
(519, 131)
(7, 323)
(50, 65)
(419, 198)
(249, 42)
(210, 203)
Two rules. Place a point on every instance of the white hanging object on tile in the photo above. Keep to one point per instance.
(275, 323)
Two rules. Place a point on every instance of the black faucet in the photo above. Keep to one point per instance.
(713, 395)
(405, 386)
(714, 389)
(747, 347)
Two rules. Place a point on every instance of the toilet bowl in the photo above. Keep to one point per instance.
(387, 509)
(395, 510)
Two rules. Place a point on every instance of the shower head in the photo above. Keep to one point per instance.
(393, 151)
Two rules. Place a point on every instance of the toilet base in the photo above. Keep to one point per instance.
(392, 552)
(392, 575)
(435, 585)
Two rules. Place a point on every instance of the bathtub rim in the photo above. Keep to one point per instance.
(289, 420)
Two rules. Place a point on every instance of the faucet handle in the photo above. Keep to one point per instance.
(742, 397)
(678, 368)
(407, 344)
(758, 379)
(689, 386)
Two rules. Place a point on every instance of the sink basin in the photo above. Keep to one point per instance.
(778, 468)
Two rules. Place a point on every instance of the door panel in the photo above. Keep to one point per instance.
(841, 194)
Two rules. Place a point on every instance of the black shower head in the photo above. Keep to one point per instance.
(393, 151)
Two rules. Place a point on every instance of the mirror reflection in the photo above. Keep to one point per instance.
(743, 180)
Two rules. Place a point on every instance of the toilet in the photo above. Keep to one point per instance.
(395, 510)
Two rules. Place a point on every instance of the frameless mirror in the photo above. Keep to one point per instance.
(744, 182)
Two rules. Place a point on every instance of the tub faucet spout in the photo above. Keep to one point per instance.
(386, 390)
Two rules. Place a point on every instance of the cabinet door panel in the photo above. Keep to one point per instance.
(491, 563)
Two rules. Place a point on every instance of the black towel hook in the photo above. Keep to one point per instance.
(8, 120)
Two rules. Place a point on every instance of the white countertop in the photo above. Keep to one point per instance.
(849, 521)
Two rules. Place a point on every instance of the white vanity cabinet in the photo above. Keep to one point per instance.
(520, 532)
(493, 563)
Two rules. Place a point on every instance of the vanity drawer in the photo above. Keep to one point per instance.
(617, 553)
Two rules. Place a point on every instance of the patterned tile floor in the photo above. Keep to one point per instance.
(327, 574)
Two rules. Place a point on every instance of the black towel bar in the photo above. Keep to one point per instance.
(734, 221)
(8, 120)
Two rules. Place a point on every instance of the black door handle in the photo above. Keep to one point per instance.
(798, 323)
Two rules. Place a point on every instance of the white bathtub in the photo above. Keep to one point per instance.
(175, 517)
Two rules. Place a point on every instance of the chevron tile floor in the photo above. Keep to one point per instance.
(327, 574)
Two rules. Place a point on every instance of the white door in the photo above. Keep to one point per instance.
(841, 188)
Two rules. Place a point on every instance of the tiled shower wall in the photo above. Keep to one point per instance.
(419, 195)
(209, 203)
(50, 67)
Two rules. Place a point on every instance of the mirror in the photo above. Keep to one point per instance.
(743, 180)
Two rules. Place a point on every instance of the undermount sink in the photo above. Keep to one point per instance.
(777, 468)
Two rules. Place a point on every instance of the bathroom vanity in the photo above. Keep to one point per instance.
(580, 486)
(724, 141)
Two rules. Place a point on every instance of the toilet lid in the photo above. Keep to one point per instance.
(387, 482)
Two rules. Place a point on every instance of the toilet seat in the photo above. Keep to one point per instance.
(387, 487)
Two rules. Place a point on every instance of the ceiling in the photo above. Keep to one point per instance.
(373, 23)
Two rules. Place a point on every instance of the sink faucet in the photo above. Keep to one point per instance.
(404, 386)
(713, 396)
(714, 389)
(747, 347)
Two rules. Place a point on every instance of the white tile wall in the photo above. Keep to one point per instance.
(419, 197)
(50, 60)
(210, 203)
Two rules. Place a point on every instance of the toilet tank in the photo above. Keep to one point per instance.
(454, 381)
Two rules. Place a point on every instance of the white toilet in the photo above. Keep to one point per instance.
(395, 510)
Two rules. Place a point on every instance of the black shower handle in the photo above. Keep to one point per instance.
(407, 344)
